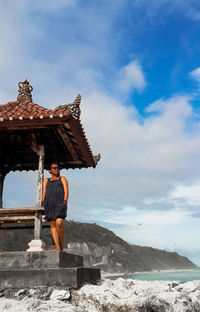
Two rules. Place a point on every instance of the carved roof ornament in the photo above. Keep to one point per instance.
(25, 91)
(75, 107)
(97, 158)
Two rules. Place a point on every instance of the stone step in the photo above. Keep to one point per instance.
(39, 260)
(27, 278)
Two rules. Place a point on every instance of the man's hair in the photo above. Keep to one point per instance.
(53, 163)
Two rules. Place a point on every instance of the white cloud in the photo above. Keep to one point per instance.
(131, 77)
(183, 197)
(195, 74)
(140, 162)
(160, 10)
(173, 230)
(175, 105)
(54, 6)
(190, 194)
(148, 218)
(65, 57)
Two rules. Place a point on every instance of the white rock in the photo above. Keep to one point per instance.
(35, 305)
(189, 287)
(12, 305)
(60, 295)
(20, 292)
(114, 296)
(134, 295)
(32, 292)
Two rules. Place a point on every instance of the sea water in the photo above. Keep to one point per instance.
(183, 276)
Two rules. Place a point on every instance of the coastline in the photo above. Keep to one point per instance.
(109, 274)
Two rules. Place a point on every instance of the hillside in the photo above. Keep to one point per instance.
(100, 247)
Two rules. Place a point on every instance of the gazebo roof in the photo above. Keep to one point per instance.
(29, 110)
(24, 125)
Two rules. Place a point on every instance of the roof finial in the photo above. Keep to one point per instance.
(97, 158)
(25, 90)
(75, 107)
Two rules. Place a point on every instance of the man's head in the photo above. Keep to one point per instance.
(54, 169)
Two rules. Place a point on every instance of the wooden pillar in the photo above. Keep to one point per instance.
(2, 177)
(38, 216)
(40, 176)
(36, 244)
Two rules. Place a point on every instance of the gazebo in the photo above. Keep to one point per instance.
(32, 137)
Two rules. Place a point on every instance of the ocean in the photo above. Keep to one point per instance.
(183, 276)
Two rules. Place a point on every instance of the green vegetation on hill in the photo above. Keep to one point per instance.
(100, 247)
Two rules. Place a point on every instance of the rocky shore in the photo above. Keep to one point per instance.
(118, 295)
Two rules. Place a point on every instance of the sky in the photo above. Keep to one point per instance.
(136, 64)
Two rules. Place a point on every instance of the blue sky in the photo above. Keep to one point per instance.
(136, 64)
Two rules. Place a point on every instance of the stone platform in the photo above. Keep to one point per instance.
(35, 260)
(46, 268)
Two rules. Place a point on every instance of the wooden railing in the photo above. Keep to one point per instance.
(24, 214)
(21, 215)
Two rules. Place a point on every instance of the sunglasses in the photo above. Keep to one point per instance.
(54, 168)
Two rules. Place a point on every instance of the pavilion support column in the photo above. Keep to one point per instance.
(2, 177)
(37, 244)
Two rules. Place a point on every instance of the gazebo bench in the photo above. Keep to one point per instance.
(21, 216)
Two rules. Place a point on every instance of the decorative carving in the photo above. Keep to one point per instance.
(75, 107)
(97, 158)
(25, 91)
(67, 141)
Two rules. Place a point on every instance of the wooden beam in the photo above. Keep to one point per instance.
(53, 147)
(63, 164)
(4, 212)
(82, 142)
(2, 178)
(17, 124)
(54, 142)
(31, 141)
(22, 225)
(72, 164)
(17, 219)
(67, 142)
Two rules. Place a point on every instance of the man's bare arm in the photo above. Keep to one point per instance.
(65, 187)
(44, 189)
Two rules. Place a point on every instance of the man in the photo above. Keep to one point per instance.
(54, 198)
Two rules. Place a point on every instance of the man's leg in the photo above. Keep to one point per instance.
(54, 234)
(60, 231)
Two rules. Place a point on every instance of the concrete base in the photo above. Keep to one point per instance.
(39, 260)
(36, 245)
(72, 277)
(49, 268)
